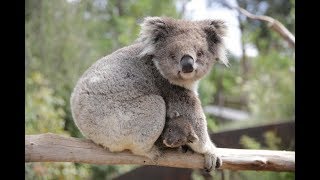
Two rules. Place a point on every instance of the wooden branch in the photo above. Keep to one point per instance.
(56, 148)
(273, 23)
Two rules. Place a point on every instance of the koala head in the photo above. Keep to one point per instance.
(177, 131)
(183, 51)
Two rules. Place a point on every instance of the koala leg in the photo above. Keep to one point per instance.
(146, 125)
(133, 124)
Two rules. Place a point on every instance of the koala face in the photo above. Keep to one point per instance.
(178, 131)
(174, 136)
(183, 51)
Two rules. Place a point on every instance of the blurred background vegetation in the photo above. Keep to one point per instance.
(64, 37)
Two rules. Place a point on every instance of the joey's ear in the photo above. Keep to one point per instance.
(216, 30)
(192, 137)
(174, 114)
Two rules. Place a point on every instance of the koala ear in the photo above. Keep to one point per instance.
(153, 29)
(219, 26)
(216, 30)
(192, 137)
(174, 114)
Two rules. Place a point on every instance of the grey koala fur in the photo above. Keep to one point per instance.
(122, 100)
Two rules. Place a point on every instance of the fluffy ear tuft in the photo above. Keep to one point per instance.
(153, 29)
(222, 54)
(220, 27)
(216, 30)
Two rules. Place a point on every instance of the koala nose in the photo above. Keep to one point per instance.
(187, 64)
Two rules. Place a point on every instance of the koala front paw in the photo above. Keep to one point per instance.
(211, 162)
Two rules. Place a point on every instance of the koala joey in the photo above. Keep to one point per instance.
(121, 102)
(177, 132)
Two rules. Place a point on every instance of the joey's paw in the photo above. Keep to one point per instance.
(155, 154)
(154, 157)
(211, 162)
(183, 149)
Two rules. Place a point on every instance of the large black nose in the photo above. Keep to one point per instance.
(187, 64)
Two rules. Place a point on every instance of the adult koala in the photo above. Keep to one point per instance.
(122, 100)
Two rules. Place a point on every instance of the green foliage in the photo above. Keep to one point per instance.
(265, 175)
(271, 90)
(44, 170)
(271, 140)
(206, 91)
(212, 124)
(101, 172)
(44, 110)
(249, 143)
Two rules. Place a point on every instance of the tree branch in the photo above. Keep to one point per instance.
(273, 23)
(56, 148)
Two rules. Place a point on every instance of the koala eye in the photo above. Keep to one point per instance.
(170, 130)
(172, 56)
(200, 53)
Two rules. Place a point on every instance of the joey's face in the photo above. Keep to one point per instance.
(178, 132)
(174, 137)
(183, 51)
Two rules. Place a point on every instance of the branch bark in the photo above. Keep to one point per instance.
(273, 23)
(56, 148)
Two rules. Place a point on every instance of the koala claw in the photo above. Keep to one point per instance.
(211, 162)
(184, 149)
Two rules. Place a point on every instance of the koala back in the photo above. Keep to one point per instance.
(114, 100)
